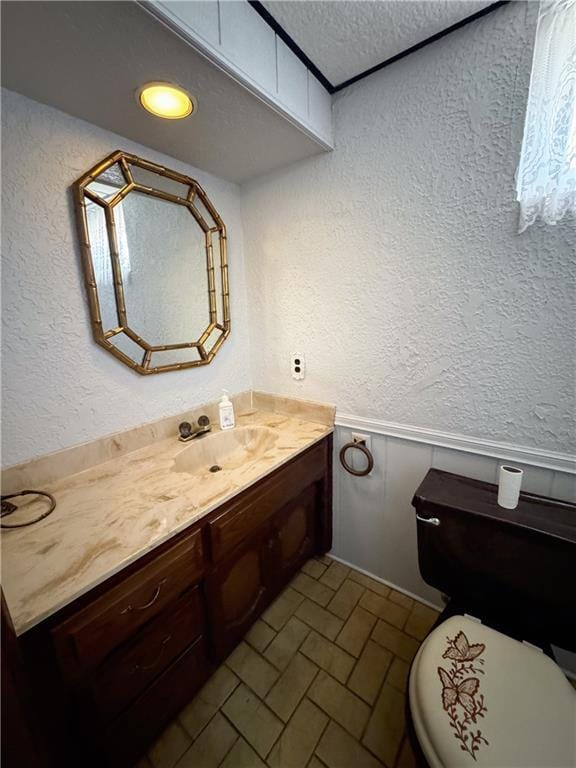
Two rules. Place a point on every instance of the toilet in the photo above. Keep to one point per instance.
(483, 688)
(480, 698)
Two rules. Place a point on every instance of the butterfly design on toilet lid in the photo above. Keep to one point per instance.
(461, 697)
(480, 699)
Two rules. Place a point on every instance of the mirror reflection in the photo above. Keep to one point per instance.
(154, 251)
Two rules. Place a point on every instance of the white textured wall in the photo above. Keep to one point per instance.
(58, 388)
(393, 263)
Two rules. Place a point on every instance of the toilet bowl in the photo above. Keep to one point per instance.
(479, 698)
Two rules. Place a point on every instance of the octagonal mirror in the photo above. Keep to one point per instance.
(154, 257)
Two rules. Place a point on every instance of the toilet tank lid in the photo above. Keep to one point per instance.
(442, 490)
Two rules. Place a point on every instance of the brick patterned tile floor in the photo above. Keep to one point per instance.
(319, 681)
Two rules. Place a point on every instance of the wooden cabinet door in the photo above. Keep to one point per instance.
(237, 590)
(295, 528)
(20, 745)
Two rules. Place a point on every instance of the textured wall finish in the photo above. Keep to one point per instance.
(345, 37)
(394, 265)
(59, 388)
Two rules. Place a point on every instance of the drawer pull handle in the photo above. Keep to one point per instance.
(148, 667)
(130, 608)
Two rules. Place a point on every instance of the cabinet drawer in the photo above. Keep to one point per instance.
(129, 671)
(127, 738)
(243, 517)
(91, 634)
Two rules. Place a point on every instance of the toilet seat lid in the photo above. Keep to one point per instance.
(480, 698)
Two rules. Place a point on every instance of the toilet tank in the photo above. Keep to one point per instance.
(514, 567)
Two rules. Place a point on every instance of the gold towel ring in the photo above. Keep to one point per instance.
(365, 451)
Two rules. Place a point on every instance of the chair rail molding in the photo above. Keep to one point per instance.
(560, 462)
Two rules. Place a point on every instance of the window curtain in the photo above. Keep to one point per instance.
(546, 182)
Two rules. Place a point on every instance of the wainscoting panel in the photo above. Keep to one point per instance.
(374, 521)
(564, 486)
(467, 464)
(363, 526)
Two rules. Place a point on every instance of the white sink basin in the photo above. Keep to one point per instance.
(228, 449)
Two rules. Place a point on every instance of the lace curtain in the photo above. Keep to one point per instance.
(546, 183)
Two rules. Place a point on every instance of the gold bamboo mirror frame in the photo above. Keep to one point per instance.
(155, 264)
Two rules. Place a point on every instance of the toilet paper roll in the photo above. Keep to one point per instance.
(509, 484)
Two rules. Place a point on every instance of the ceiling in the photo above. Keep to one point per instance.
(88, 58)
(344, 38)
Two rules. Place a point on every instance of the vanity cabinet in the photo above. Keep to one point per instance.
(294, 534)
(90, 634)
(244, 582)
(237, 591)
(117, 665)
(129, 672)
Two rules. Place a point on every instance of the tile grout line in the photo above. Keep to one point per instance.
(240, 735)
(218, 710)
(344, 684)
(357, 660)
(296, 652)
(232, 745)
(305, 696)
(314, 753)
(360, 596)
(388, 584)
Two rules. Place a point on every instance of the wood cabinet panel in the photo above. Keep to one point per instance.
(270, 552)
(294, 529)
(237, 590)
(20, 745)
(129, 671)
(127, 738)
(242, 586)
(257, 505)
(90, 635)
(234, 525)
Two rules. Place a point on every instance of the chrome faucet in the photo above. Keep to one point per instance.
(189, 431)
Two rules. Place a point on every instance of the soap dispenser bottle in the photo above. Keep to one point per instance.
(226, 409)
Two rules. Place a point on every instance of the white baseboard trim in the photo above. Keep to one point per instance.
(386, 583)
(568, 672)
(560, 462)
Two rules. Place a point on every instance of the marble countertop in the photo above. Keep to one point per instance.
(113, 513)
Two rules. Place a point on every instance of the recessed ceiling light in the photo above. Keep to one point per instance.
(166, 100)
